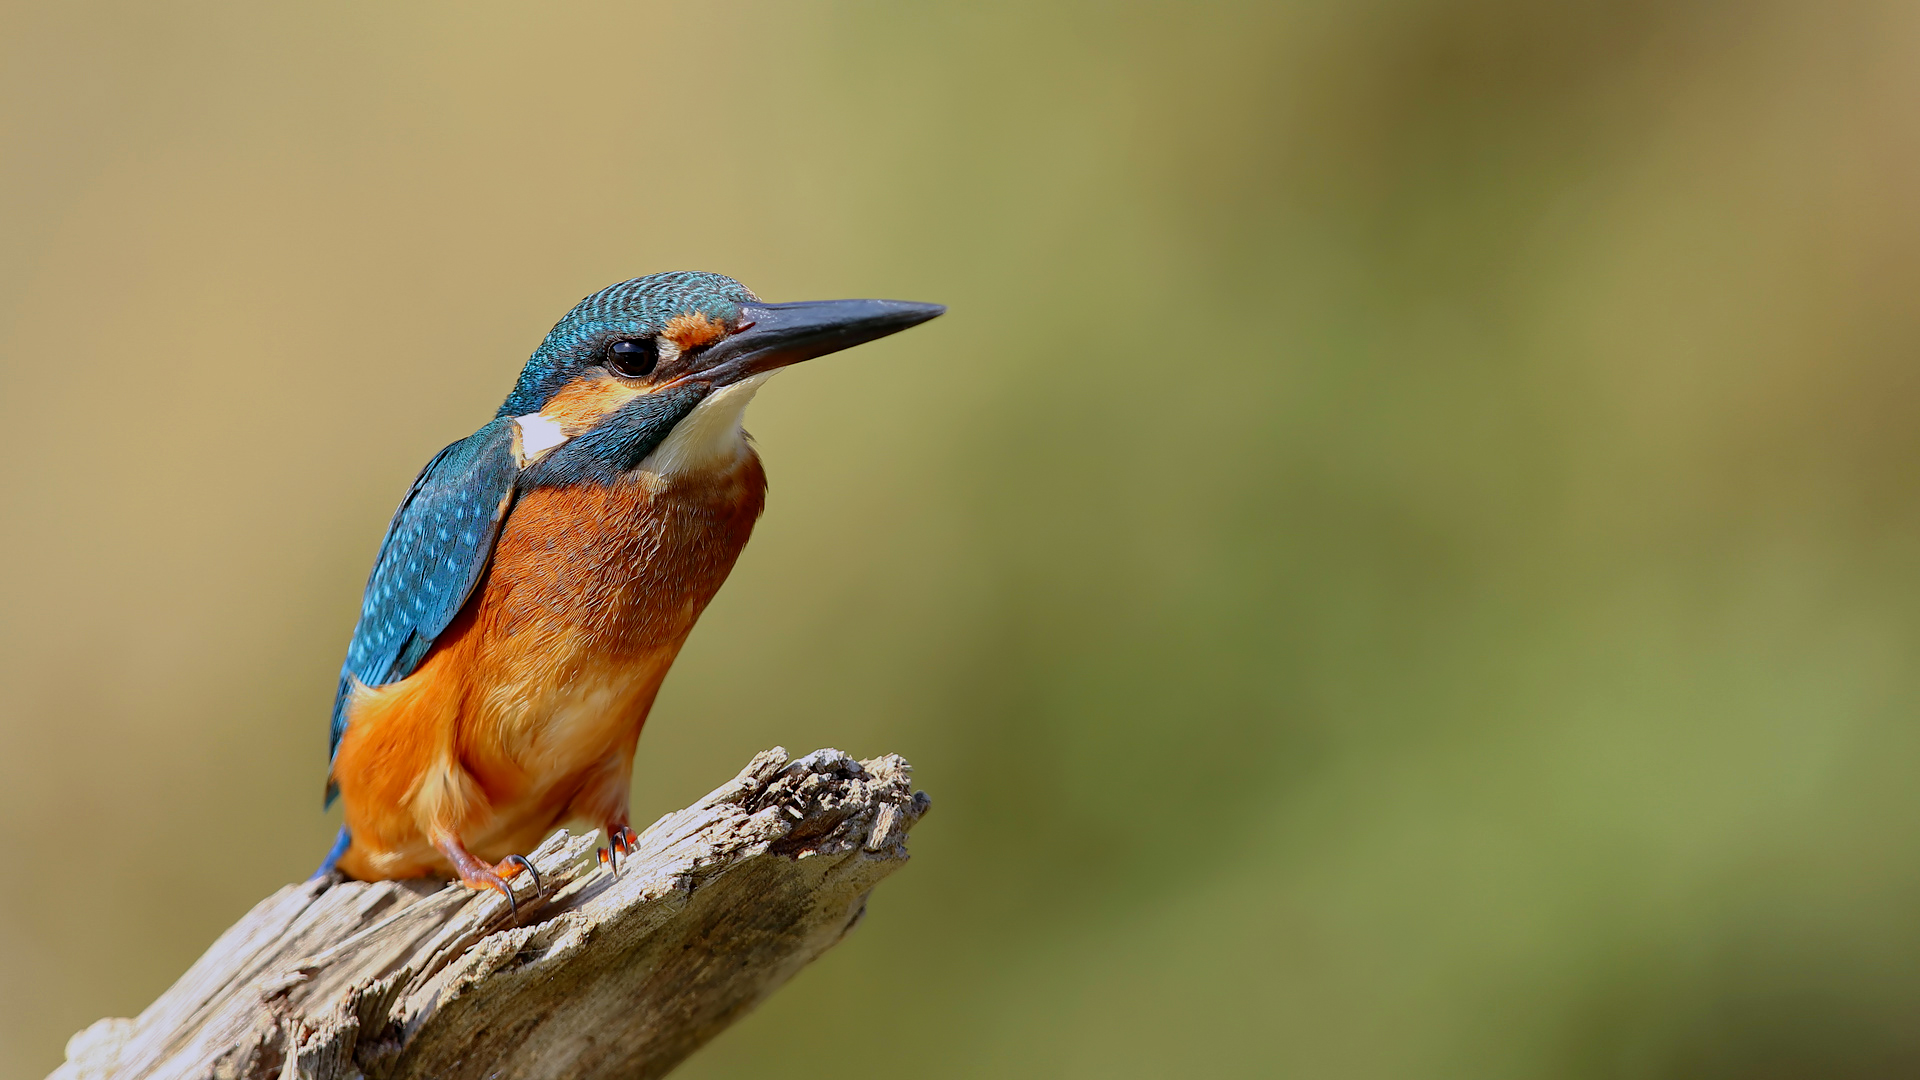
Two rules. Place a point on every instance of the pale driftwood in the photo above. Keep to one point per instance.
(721, 904)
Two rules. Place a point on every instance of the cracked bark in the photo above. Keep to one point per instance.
(719, 905)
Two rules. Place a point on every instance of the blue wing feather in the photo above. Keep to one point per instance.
(434, 553)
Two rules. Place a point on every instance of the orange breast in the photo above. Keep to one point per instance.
(527, 711)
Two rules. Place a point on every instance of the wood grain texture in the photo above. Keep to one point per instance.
(720, 904)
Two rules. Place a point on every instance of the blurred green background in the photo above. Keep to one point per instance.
(1403, 560)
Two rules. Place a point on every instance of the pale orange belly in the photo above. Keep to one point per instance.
(527, 711)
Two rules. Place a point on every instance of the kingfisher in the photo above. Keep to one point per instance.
(541, 575)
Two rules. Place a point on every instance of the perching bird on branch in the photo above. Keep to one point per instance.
(541, 575)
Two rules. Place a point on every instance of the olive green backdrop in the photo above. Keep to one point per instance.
(1403, 560)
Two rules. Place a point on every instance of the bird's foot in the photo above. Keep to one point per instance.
(621, 841)
(475, 874)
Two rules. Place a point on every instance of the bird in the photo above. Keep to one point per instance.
(540, 576)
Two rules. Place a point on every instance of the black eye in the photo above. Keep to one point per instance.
(633, 359)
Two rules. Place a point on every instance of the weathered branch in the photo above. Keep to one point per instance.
(721, 903)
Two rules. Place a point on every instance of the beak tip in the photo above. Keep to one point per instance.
(914, 313)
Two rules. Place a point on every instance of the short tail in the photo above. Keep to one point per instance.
(340, 845)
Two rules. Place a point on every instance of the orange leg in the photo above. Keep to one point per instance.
(476, 874)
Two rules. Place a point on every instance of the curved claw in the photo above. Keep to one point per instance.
(621, 841)
(487, 879)
(539, 890)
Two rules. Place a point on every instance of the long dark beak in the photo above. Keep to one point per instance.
(775, 335)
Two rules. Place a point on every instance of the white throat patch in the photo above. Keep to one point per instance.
(710, 437)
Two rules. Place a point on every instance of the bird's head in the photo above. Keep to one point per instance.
(636, 360)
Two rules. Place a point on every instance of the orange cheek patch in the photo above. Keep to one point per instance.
(582, 403)
(693, 331)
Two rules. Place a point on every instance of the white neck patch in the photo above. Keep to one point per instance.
(710, 437)
(538, 435)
